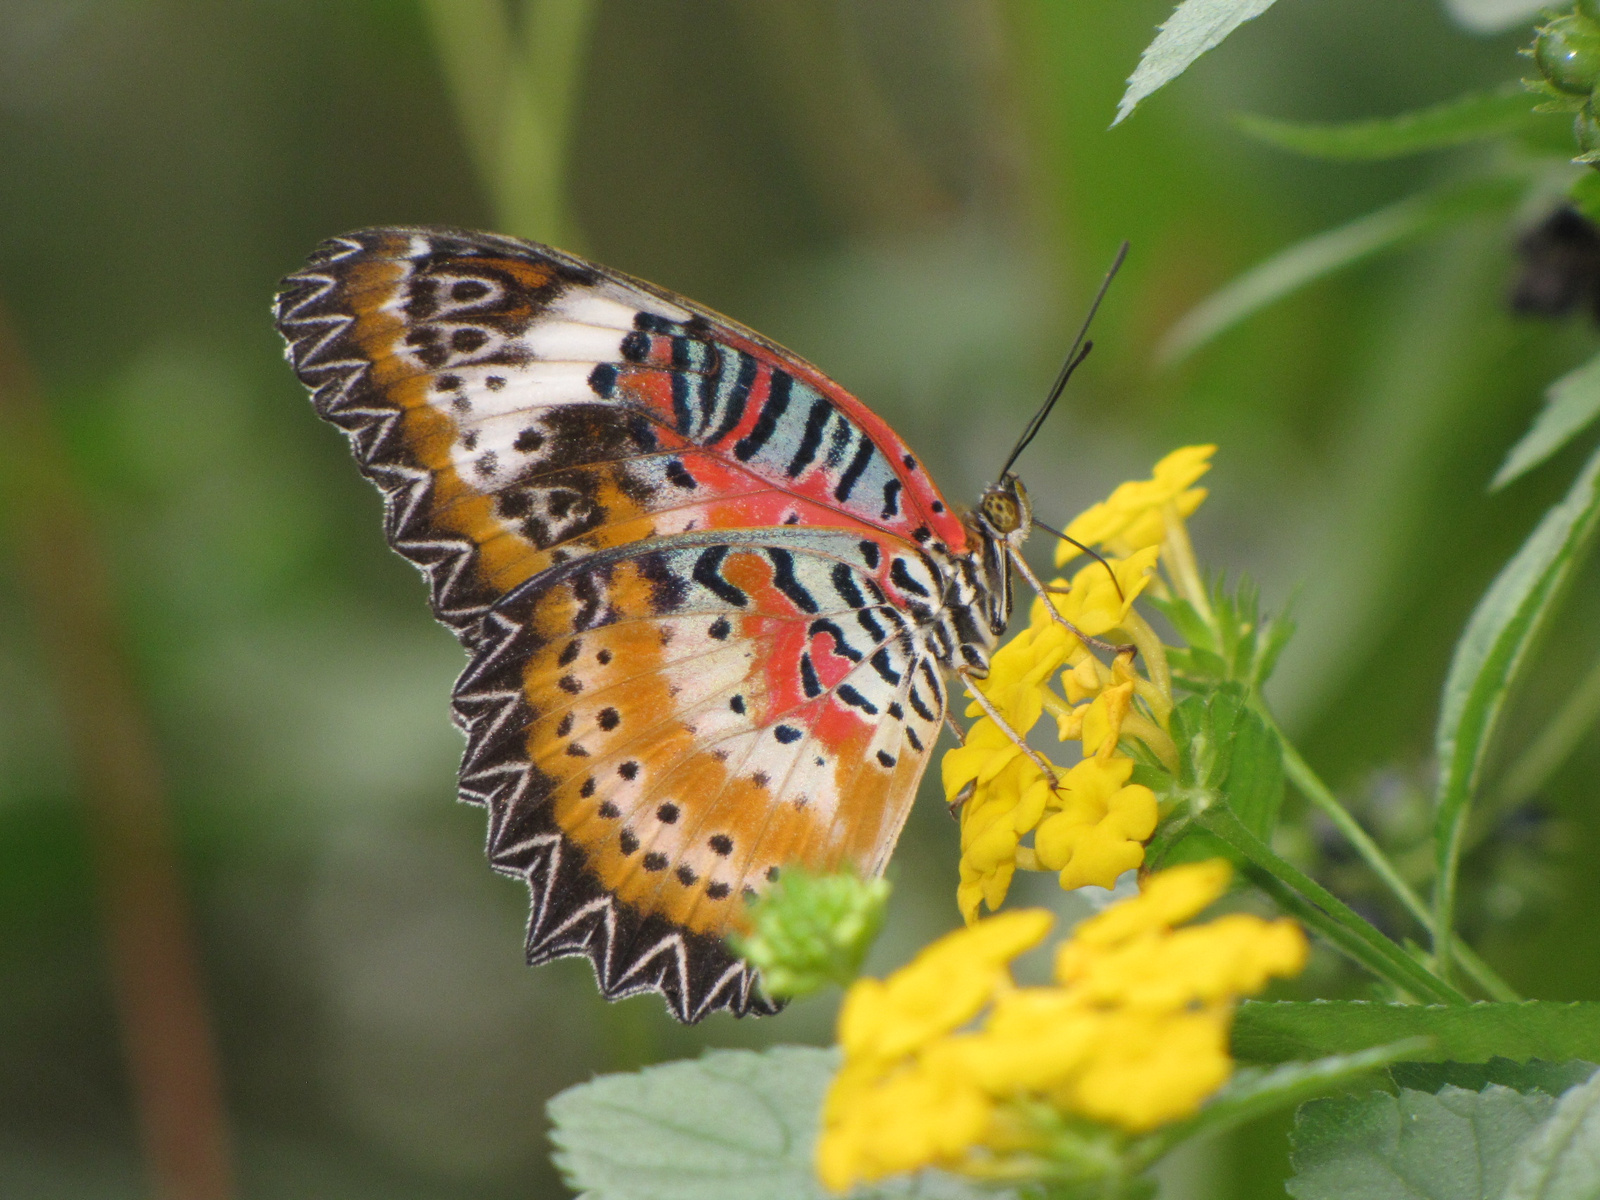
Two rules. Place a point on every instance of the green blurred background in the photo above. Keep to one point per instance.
(919, 195)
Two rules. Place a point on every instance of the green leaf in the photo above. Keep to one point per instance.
(1287, 1030)
(1535, 1075)
(1468, 118)
(1194, 27)
(1486, 662)
(1254, 786)
(1571, 403)
(727, 1126)
(1255, 1091)
(1457, 1145)
(1561, 1161)
(1321, 255)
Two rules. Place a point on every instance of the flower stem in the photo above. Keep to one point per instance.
(1178, 553)
(1319, 794)
(1319, 908)
(1154, 655)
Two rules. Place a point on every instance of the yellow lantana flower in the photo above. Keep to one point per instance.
(1097, 820)
(1131, 518)
(1100, 827)
(1132, 1034)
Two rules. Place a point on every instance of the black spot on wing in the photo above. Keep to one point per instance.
(891, 499)
(777, 403)
(809, 683)
(707, 573)
(902, 579)
(810, 437)
(840, 645)
(784, 579)
(856, 700)
(852, 473)
(844, 583)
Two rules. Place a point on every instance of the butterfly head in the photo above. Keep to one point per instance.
(1005, 509)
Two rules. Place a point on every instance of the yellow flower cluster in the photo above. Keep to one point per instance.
(1133, 1034)
(1088, 823)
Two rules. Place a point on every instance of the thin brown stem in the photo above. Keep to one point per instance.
(166, 1028)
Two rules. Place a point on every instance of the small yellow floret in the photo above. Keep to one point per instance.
(1101, 827)
(1097, 603)
(1131, 517)
(941, 989)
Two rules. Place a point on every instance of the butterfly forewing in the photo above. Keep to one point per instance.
(689, 567)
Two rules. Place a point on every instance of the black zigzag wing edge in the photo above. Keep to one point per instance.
(314, 315)
(570, 913)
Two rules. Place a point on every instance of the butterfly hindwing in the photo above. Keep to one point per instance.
(690, 570)
(520, 407)
(658, 730)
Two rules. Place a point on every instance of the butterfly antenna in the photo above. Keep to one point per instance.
(1094, 554)
(1075, 356)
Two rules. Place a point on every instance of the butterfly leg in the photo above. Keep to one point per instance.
(1034, 582)
(993, 713)
(966, 792)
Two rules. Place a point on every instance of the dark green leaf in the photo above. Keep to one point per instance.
(1195, 27)
(1466, 119)
(1536, 1075)
(1487, 658)
(1289, 1030)
(1457, 1145)
(1571, 404)
(1319, 256)
(727, 1126)
(1561, 1161)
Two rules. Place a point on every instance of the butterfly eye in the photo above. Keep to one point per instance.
(1002, 512)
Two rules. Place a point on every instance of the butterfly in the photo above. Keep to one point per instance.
(710, 599)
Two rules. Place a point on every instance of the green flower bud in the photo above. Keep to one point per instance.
(808, 931)
(1586, 129)
(1567, 52)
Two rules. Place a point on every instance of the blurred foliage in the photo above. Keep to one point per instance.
(916, 194)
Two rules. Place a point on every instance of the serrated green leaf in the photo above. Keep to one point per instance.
(1194, 27)
(1466, 119)
(727, 1126)
(1457, 1145)
(1284, 1031)
(1487, 658)
(1571, 404)
(1333, 250)
(1535, 1075)
(1493, 16)
(1254, 786)
(1190, 732)
(1561, 1161)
